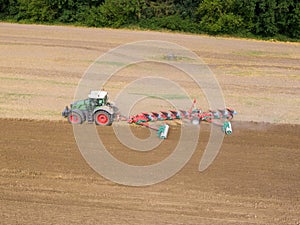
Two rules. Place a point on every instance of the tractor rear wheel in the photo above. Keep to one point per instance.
(103, 118)
(74, 118)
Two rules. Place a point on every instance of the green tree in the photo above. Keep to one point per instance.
(34, 11)
(117, 13)
(293, 21)
(187, 8)
(269, 17)
(4, 6)
(67, 10)
(265, 23)
(246, 10)
(216, 16)
(287, 17)
(161, 8)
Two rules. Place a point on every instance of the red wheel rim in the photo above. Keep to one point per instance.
(74, 118)
(102, 119)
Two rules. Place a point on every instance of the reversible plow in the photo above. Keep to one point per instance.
(221, 117)
(96, 108)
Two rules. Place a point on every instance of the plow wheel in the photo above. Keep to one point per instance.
(103, 118)
(195, 120)
(74, 118)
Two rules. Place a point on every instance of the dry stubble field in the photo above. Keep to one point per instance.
(44, 180)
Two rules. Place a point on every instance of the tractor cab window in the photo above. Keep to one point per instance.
(100, 102)
(93, 102)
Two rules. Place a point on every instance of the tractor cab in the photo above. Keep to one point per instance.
(98, 98)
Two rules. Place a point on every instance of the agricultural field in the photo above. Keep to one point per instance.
(255, 178)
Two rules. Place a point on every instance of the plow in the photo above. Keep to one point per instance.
(97, 109)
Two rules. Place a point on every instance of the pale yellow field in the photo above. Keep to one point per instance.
(40, 67)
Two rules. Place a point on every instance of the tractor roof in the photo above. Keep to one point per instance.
(98, 94)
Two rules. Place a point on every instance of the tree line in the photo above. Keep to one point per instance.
(250, 18)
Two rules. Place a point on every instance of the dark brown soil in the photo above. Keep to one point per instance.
(44, 179)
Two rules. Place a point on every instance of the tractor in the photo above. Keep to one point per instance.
(95, 108)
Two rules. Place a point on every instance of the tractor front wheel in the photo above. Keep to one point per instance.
(74, 118)
(103, 118)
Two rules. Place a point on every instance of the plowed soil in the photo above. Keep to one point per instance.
(44, 180)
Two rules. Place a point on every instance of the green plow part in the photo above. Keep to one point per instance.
(227, 129)
(162, 131)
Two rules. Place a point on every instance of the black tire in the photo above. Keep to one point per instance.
(103, 118)
(195, 121)
(75, 118)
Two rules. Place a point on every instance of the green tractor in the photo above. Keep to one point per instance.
(95, 108)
